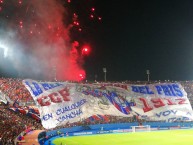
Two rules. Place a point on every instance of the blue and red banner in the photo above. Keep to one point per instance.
(60, 102)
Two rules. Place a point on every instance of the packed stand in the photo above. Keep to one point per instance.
(13, 123)
(16, 91)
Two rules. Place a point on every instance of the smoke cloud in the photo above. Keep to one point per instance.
(35, 41)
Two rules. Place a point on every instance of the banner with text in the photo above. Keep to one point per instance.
(62, 102)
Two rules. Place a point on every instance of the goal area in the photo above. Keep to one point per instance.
(140, 128)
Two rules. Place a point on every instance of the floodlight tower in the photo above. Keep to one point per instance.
(148, 74)
(54, 73)
(105, 73)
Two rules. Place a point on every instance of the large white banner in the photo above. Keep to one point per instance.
(3, 98)
(59, 103)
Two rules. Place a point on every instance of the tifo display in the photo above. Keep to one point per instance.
(60, 105)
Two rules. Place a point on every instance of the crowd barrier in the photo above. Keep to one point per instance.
(115, 128)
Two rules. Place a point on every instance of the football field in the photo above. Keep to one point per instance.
(169, 137)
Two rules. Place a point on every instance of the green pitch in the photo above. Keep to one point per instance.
(170, 137)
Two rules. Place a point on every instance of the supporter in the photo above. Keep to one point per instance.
(13, 122)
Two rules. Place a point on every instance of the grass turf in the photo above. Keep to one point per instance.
(170, 137)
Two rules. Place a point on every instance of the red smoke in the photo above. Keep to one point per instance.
(73, 69)
(40, 36)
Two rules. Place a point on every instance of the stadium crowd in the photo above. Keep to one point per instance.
(12, 122)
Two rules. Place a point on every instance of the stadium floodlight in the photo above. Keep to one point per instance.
(148, 74)
(105, 73)
(54, 73)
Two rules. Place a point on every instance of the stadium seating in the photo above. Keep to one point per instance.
(20, 113)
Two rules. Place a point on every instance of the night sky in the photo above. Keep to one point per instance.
(132, 37)
(138, 35)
